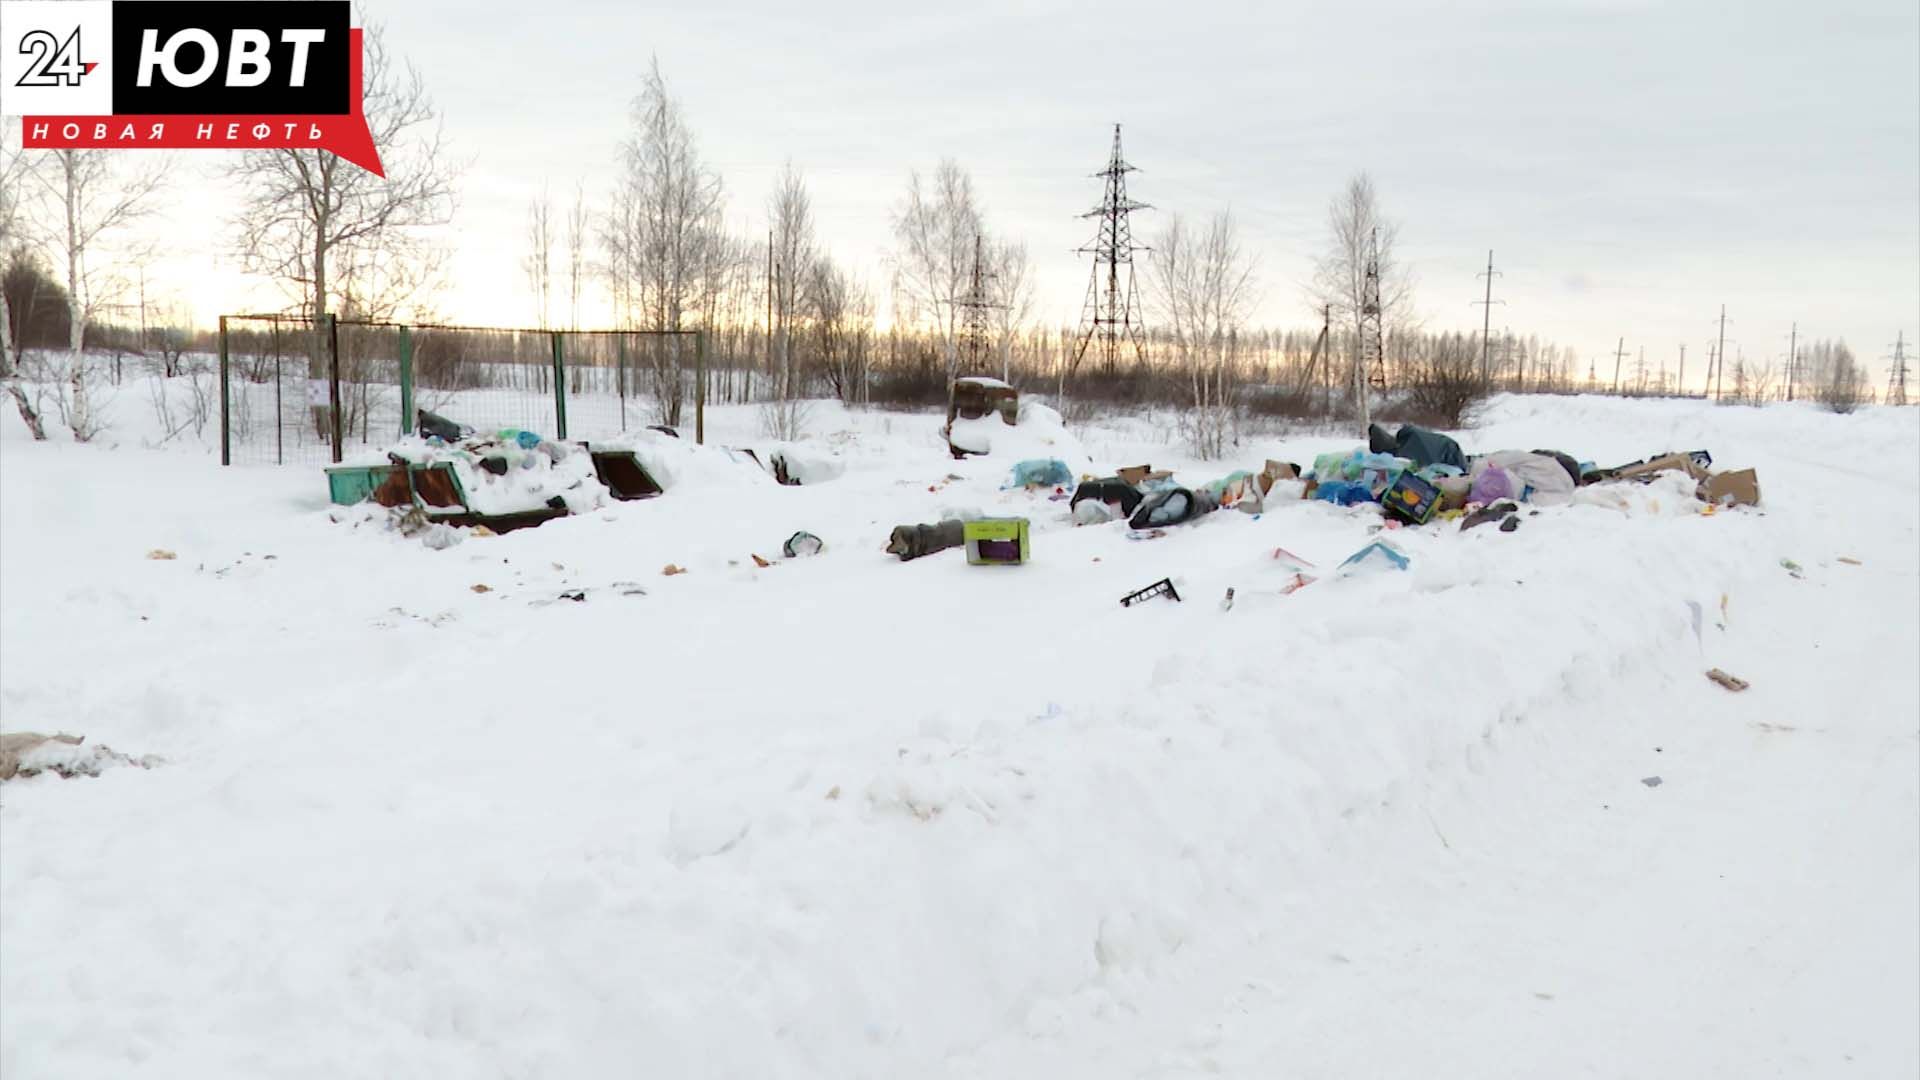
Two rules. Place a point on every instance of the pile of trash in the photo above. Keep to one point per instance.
(1417, 475)
(510, 471)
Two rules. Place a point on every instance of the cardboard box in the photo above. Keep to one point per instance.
(1411, 499)
(996, 541)
(1739, 488)
(1678, 462)
(1276, 470)
(1134, 474)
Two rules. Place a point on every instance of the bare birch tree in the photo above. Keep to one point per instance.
(1203, 285)
(1013, 298)
(839, 316)
(1354, 221)
(790, 210)
(666, 250)
(307, 211)
(91, 197)
(934, 230)
(577, 225)
(538, 264)
(15, 168)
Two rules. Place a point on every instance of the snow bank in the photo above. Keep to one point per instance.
(846, 816)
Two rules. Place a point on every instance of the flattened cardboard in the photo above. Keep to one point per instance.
(1739, 488)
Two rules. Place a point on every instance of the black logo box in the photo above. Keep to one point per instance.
(325, 91)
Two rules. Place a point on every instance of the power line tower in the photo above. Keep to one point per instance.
(1486, 320)
(1373, 350)
(1897, 378)
(976, 333)
(1720, 356)
(1793, 358)
(1112, 311)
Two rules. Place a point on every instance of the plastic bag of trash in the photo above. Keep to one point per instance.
(1040, 472)
(1492, 485)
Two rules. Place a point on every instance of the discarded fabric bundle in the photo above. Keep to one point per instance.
(1112, 491)
(914, 541)
(1418, 445)
(1173, 506)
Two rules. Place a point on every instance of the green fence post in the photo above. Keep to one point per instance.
(226, 420)
(406, 380)
(559, 388)
(700, 388)
(333, 383)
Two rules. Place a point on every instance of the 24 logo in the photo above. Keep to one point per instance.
(55, 62)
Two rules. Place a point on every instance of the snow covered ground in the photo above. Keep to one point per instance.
(850, 817)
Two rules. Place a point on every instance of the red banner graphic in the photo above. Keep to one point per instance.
(346, 136)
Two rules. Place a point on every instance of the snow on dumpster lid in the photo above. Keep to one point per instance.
(985, 382)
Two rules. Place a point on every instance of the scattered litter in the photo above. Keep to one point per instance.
(760, 562)
(1290, 560)
(481, 588)
(1145, 534)
(1731, 682)
(1163, 587)
(578, 596)
(1849, 561)
(161, 554)
(1092, 512)
(1652, 781)
(1792, 568)
(833, 792)
(1498, 511)
(1379, 555)
(1512, 523)
(802, 544)
(1226, 604)
(670, 570)
(438, 537)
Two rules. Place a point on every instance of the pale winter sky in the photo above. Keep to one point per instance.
(1633, 165)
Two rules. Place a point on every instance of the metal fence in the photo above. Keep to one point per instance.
(296, 390)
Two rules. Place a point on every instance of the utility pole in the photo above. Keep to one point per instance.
(1619, 354)
(1720, 366)
(1793, 357)
(1897, 378)
(1680, 380)
(1486, 320)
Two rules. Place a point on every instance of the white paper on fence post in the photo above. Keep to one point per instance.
(318, 393)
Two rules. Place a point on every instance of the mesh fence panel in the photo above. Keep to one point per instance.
(277, 392)
(486, 379)
(280, 388)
